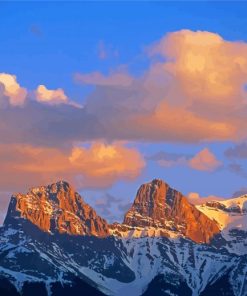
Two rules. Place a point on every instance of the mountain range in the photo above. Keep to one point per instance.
(53, 243)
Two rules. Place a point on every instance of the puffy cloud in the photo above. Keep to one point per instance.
(205, 66)
(114, 161)
(206, 76)
(97, 78)
(97, 166)
(204, 161)
(50, 96)
(12, 89)
(194, 92)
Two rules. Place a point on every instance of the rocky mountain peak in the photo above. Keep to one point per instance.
(56, 208)
(158, 205)
(158, 210)
(153, 202)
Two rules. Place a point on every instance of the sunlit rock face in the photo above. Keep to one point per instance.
(158, 210)
(56, 208)
(158, 206)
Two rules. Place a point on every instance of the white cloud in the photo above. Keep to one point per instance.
(12, 89)
(50, 96)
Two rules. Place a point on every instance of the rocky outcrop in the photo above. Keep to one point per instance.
(56, 208)
(158, 205)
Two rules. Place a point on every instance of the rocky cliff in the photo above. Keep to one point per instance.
(160, 206)
(56, 208)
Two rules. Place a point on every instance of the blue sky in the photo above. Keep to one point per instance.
(46, 43)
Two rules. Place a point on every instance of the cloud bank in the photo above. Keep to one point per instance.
(193, 91)
(97, 166)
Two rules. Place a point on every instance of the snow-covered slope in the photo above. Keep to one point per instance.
(119, 266)
(230, 213)
(231, 216)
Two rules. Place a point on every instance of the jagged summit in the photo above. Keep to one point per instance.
(158, 210)
(157, 205)
(56, 208)
(60, 185)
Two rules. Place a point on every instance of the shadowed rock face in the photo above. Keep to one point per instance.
(56, 208)
(158, 205)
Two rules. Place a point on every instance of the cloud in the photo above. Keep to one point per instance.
(107, 201)
(196, 199)
(97, 166)
(194, 91)
(175, 99)
(97, 78)
(12, 89)
(106, 206)
(50, 96)
(102, 165)
(239, 151)
(204, 160)
(207, 68)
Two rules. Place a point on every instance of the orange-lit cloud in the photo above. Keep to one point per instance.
(196, 199)
(204, 160)
(12, 89)
(194, 92)
(98, 166)
(50, 96)
(205, 66)
(176, 123)
(205, 76)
